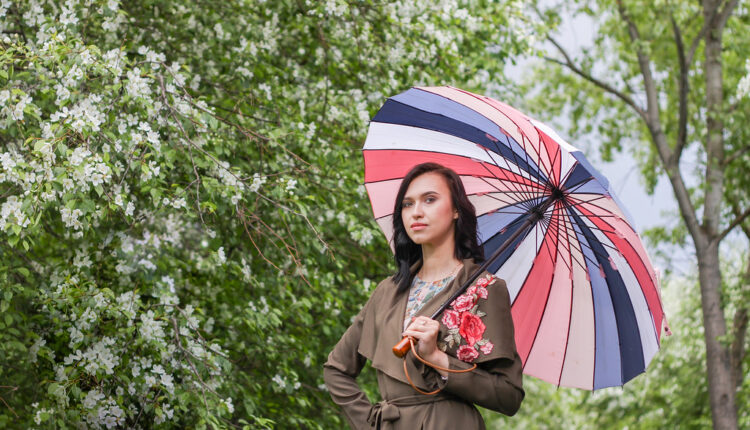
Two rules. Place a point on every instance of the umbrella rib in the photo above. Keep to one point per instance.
(594, 216)
(572, 241)
(596, 253)
(569, 172)
(538, 160)
(551, 223)
(580, 201)
(565, 228)
(585, 257)
(595, 227)
(503, 158)
(563, 252)
(554, 160)
(526, 152)
(536, 194)
(516, 158)
(483, 178)
(575, 187)
(546, 301)
(639, 259)
(572, 293)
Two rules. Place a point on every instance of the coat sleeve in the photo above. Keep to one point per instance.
(497, 382)
(341, 370)
(494, 384)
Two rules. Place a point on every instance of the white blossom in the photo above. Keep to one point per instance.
(136, 85)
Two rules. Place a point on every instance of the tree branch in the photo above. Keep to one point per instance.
(683, 91)
(653, 122)
(725, 13)
(735, 155)
(723, 17)
(745, 228)
(696, 41)
(739, 218)
(568, 63)
(652, 104)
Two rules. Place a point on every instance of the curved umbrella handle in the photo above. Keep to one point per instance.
(401, 348)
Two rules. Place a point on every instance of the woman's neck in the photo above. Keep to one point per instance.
(438, 262)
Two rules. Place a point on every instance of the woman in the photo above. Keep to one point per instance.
(435, 237)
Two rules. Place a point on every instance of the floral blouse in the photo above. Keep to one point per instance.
(420, 293)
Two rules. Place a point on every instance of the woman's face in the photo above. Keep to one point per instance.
(427, 210)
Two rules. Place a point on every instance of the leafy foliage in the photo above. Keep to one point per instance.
(185, 233)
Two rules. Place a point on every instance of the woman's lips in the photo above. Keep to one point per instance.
(418, 226)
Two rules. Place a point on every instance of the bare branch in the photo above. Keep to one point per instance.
(725, 13)
(652, 105)
(739, 218)
(737, 154)
(568, 63)
(722, 17)
(683, 91)
(696, 41)
(737, 213)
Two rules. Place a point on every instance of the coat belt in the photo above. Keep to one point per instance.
(384, 413)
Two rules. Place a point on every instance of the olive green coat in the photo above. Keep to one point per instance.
(495, 384)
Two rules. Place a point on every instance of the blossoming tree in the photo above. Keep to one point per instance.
(181, 212)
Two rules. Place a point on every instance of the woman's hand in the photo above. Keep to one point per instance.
(425, 330)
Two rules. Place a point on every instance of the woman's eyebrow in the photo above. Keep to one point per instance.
(422, 195)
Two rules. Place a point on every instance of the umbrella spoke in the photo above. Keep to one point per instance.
(515, 159)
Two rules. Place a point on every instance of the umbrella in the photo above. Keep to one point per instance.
(584, 296)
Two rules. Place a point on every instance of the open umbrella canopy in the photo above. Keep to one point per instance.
(584, 295)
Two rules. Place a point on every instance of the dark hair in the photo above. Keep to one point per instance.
(465, 232)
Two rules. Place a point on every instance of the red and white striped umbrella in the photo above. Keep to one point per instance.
(584, 295)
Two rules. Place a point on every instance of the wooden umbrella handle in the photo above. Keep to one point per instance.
(401, 348)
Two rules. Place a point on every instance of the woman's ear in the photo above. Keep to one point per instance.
(455, 214)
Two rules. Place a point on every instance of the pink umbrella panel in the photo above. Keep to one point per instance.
(584, 294)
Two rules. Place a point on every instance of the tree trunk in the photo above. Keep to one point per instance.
(720, 382)
(721, 385)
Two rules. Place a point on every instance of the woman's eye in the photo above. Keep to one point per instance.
(405, 204)
(430, 199)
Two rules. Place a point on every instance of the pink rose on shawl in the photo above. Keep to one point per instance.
(467, 353)
(464, 302)
(479, 290)
(450, 319)
(482, 282)
(487, 348)
(471, 328)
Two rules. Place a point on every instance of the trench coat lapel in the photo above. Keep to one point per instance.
(383, 324)
(438, 299)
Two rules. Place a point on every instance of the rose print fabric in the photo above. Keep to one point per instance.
(464, 322)
(421, 292)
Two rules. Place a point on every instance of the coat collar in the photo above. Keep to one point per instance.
(468, 269)
(384, 321)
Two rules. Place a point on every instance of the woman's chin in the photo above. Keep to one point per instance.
(418, 239)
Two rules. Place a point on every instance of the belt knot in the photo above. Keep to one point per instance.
(383, 412)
